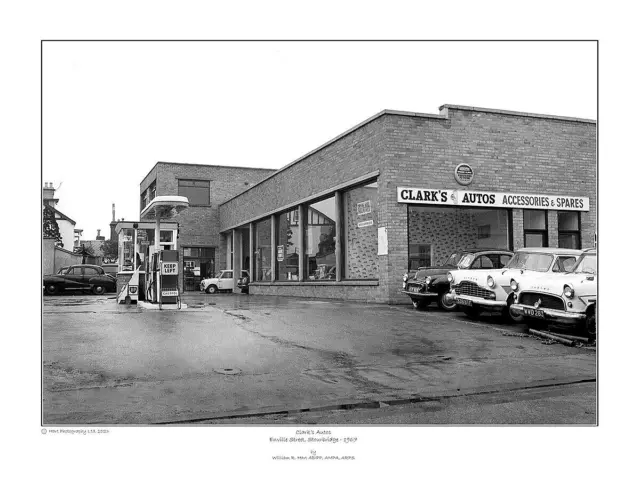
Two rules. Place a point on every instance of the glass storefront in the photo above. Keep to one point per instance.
(320, 240)
(437, 232)
(263, 251)
(197, 263)
(287, 240)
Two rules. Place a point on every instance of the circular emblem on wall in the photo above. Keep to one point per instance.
(463, 174)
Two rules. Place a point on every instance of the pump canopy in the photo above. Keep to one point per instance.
(164, 207)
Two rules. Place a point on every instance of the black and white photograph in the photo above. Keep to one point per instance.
(343, 253)
(255, 240)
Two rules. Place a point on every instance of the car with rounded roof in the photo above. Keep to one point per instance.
(568, 300)
(494, 290)
(223, 281)
(430, 283)
(79, 278)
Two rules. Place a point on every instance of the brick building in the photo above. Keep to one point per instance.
(206, 187)
(398, 191)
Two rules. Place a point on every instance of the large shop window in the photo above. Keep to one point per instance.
(287, 240)
(569, 230)
(437, 232)
(320, 240)
(535, 228)
(197, 263)
(197, 191)
(263, 251)
(361, 232)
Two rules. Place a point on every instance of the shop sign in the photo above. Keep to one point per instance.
(463, 174)
(142, 234)
(366, 223)
(364, 207)
(467, 198)
(280, 253)
(170, 268)
(126, 238)
(169, 292)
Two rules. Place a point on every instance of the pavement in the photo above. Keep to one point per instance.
(237, 357)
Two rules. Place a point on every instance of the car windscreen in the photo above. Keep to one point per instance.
(537, 262)
(453, 260)
(466, 260)
(587, 264)
(421, 275)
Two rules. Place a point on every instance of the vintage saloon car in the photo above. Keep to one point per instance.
(430, 283)
(79, 277)
(222, 281)
(491, 290)
(568, 299)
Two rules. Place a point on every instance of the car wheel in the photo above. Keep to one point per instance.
(591, 326)
(211, 289)
(507, 314)
(448, 305)
(418, 304)
(51, 289)
(98, 289)
(471, 312)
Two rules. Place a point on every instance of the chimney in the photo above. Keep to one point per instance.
(48, 191)
(113, 212)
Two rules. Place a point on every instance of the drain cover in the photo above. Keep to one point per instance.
(227, 371)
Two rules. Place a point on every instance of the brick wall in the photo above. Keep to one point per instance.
(508, 152)
(199, 225)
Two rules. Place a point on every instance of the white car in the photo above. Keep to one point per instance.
(568, 299)
(222, 281)
(493, 290)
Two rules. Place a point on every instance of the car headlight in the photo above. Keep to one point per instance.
(405, 277)
(450, 277)
(491, 282)
(514, 285)
(427, 280)
(568, 291)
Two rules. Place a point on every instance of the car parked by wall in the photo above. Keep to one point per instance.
(223, 281)
(79, 278)
(567, 300)
(493, 290)
(431, 283)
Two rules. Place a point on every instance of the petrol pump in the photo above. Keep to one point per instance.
(161, 265)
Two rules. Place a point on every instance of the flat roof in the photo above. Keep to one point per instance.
(206, 165)
(514, 113)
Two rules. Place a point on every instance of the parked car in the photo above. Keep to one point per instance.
(222, 281)
(79, 277)
(431, 283)
(110, 268)
(568, 299)
(491, 290)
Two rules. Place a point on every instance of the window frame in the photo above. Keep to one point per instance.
(571, 232)
(309, 211)
(536, 231)
(208, 189)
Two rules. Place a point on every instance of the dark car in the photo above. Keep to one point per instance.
(430, 283)
(79, 277)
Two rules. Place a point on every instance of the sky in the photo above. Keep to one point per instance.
(111, 110)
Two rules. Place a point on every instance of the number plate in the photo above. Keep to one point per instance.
(414, 289)
(464, 301)
(533, 312)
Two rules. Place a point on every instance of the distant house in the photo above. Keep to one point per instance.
(65, 224)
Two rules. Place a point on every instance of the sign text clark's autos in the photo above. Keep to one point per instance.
(467, 198)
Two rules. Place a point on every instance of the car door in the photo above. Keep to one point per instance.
(74, 277)
(226, 282)
(89, 273)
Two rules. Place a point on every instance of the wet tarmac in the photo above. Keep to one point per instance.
(224, 354)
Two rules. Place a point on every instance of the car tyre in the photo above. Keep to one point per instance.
(471, 312)
(444, 304)
(591, 326)
(418, 304)
(98, 289)
(211, 289)
(51, 289)
(507, 314)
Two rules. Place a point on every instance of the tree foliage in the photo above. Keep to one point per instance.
(50, 227)
(110, 250)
